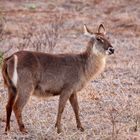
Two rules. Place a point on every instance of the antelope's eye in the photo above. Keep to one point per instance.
(100, 40)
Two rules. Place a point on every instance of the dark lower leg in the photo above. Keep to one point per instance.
(18, 114)
(8, 115)
(58, 122)
(9, 110)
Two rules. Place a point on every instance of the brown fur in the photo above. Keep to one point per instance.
(43, 75)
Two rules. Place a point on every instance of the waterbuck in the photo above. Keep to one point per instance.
(27, 73)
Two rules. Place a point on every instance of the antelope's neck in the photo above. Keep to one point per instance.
(95, 65)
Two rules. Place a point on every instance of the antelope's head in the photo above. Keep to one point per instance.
(101, 45)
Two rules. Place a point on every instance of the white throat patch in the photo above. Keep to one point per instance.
(95, 50)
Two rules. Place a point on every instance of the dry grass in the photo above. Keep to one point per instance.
(109, 105)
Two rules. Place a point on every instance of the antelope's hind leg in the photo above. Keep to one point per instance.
(22, 99)
(11, 100)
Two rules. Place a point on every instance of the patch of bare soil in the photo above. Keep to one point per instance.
(109, 105)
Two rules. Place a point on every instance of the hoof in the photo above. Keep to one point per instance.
(81, 129)
(7, 129)
(6, 133)
(59, 130)
(23, 130)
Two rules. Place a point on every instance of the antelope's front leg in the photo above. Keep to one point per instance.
(74, 104)
(62, 102)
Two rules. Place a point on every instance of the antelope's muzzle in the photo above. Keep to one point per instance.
(110, 50)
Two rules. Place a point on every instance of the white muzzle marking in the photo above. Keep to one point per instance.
(15, 74)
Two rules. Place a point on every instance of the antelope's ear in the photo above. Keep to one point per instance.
(87, 31)
(101, 29)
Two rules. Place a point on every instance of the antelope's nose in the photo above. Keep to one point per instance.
(111, 50)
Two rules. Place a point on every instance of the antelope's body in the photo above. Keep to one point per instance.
(29, 73)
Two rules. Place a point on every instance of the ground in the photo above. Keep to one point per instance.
(109, 105)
